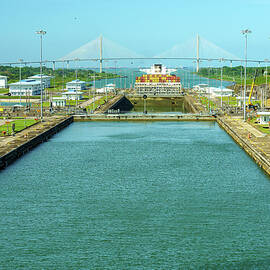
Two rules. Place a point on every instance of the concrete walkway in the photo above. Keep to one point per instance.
(108, 104)
(89, 101)
(240, 124)
(252, 136)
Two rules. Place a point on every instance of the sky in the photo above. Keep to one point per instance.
(146, 27)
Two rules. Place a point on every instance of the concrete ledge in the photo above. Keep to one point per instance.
(143, 117)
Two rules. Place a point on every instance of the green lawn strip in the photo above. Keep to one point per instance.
(3, 91)
(232, 101)
(18, 97)
(255, 123)
(263, 128)
(20, 124)
(17, 117)
(204, 101)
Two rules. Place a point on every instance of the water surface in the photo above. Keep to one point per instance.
(135, 196)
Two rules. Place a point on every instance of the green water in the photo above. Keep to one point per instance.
(157, 105)
(135, 196)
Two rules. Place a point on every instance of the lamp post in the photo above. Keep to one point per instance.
(41, 33)
(209, 85)
(241, 83)
(193, 76)
(94, 92)
(221, 81)
(20, 60)
(266, 86)
(76, 71)
(115, 62)
(245, 33)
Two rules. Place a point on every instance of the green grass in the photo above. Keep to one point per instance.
(263, 128)
(20, 124)
(204, 101)
(3, 90)
(232, 101)
(17, 97)
(17, 117)
(73, 102)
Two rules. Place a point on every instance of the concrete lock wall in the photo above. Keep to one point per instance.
(23, 148)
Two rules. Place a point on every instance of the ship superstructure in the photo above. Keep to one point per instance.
(158, 81)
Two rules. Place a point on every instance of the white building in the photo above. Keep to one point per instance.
(58, 101)
(106, 89)
(76, 85)
(200, 88)
(45, 79)
(72, 95)
(3, 81)
(213, 91)
(264, 117)
(219, 92)
(25, 88)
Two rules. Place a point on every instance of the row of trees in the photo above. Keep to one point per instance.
(60, 75)
(232, 71)
(235, 73)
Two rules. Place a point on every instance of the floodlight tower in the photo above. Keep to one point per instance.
(41, 33)
(245, 33)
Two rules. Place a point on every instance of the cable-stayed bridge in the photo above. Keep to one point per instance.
(196, 48)
(207, 49)
(101, 47)
(101, 50)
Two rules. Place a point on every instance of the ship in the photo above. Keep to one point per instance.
(158, 81)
